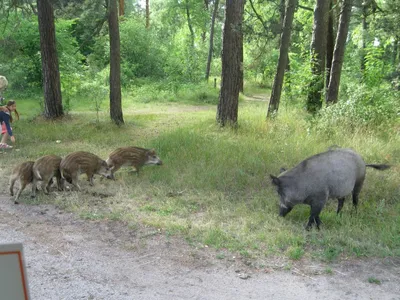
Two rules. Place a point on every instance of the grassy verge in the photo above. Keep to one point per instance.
(214, 188)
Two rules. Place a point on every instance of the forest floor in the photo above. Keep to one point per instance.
(71, 258)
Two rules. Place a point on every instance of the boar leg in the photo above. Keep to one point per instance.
(114, 169)
(23, 185)
(60, 183)
(47, 186)
(317, 203)
(12, 186)
(34, 187)
(135, 170)
(340, 204)
(90, 179)
(74, 182)
(356, 191)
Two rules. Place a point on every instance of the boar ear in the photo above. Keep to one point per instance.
(150, 152)
(275, 180)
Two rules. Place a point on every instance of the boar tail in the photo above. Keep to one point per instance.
(378, 167)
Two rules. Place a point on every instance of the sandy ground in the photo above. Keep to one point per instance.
(71, 258)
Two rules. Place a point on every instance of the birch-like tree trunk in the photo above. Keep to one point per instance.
(283, 58)
(210, 49)
(338, 54)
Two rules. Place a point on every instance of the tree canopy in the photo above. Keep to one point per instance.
(175, 48)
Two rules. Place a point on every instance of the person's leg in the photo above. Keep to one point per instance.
(4, 138)
(3, 132)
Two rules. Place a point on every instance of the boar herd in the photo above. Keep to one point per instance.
(69, 168)
(335, 173)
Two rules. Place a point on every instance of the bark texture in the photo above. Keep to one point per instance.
(53, 107)
(115, 64)
(318, 52)
(227, 111)
(283, 58)
(338, 54)
(210, 49)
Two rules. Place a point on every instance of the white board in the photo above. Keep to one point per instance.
(13, 277)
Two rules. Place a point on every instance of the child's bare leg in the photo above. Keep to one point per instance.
(4, 138)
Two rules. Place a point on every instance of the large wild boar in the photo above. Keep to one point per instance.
(44, 169)
(132, 156)
(83, 162)
(23, 173)
(332, 174)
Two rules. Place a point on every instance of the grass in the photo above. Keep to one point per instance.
(374, 280)
(214, 187)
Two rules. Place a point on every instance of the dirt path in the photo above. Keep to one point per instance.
(70, 258)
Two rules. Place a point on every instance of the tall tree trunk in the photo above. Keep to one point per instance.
(147, 14)
(364, 36)
(318, 52)
(189, 21)
(395, 56)
(283, 58)
(338, 55)
(204, 33)
(210, 49)
(121, 7)
(330, 44)
(50, 70)
(227, 111)
(241, 74)
(115, 65)
(282, 9)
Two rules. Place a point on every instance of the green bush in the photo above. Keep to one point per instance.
(140, 51)
(364, 108)
(20, 57)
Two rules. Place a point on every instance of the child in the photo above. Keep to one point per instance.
(6, 118)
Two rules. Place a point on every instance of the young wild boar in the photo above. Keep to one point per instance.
(132, 156)
(332, 174)
(44, 169)
(23, 173)
(79, 162)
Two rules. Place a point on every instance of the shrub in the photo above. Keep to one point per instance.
(364, 107)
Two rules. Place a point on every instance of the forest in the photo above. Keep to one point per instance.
(171, 46)
(227, 92)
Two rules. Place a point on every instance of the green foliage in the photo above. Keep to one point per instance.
(20, 56)
(365, 107)
(140, 51)
(147, 91)
(20, 51)
(374, 280)
(295, 253)
(374, 66)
